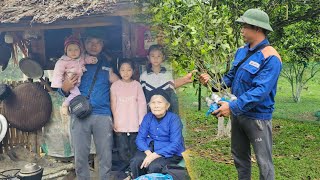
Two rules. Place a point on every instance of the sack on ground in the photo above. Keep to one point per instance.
(80, 106)
(155, 176)
(176, 171)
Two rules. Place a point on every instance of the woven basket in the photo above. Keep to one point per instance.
(28, 108)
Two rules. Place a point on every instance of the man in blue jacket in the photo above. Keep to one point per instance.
(254, 83)
(99, 123)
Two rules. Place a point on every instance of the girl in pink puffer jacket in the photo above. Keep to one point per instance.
(72, 63)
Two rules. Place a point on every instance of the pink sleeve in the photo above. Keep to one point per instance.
(58, 73)
(113, 99)
(88, 59)
(142, 103)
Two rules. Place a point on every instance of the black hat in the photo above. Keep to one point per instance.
(95, 32)
(160, 92)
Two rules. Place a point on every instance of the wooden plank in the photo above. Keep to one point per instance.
(20, 136)
(38, 48)
(126, 44)
(6, 142)
(10, 139)
(26, 137)
(39, 140)
(133, 39)
(14, 138)
(32, 141)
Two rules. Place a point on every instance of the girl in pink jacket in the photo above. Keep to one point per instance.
(69, 65)
(128, 106)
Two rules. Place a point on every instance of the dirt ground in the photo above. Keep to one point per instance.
(19, 156)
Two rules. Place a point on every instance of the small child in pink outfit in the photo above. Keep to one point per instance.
(128, 105)
(69, 65)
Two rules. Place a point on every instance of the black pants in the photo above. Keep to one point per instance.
(126, 144)
(155, 166)
(246, 131)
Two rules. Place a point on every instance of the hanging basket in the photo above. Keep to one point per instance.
(28, 108)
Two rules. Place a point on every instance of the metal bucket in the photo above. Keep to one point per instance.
(31, 171)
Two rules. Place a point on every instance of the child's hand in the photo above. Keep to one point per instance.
(70, 75)
(94, 60)
(71, 72)
(84, 69)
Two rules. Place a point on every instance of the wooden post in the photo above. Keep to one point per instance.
(126, 44)
(133, 39)
(5, 141)
(199, 97)
(12, 140)
(32, 141)
(39, 139)
(38, 47)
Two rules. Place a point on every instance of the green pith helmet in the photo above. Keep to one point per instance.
(256, 17)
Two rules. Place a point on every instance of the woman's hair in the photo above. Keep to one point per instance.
(127, 61)
(156, 47)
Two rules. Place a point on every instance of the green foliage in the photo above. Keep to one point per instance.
(300, 42)
(203, 34)
(11, 73)
(197, 34)
(285, 108)
(299, 47)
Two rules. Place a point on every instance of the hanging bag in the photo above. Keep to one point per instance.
(80, 105)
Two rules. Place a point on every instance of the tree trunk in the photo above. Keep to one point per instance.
(199, 97)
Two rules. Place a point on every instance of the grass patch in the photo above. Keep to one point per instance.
(305, 110)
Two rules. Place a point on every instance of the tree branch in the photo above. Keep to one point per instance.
(311, 14)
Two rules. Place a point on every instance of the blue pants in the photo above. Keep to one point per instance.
(246, 131)
(101, 127)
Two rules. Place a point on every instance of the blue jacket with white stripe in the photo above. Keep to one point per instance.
(255, 82)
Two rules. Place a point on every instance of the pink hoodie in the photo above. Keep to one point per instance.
(128, 105)
(67, 67)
